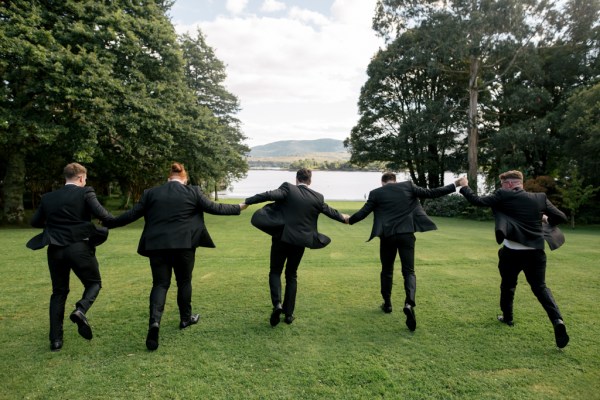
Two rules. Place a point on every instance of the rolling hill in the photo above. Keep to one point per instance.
(286, 149)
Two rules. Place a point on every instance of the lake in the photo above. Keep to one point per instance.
(334, 185)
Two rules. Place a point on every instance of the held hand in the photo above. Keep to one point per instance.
(346, 218)
(544, 219)
(243, 206)
(462, 181)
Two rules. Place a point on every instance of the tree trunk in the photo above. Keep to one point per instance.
(14, 186)
(216, 192)
(473, 138)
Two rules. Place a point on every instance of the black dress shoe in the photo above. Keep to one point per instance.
(411, 320)
(275, 315)
(387, 308)
(83, 327)
(560, 334)
(508, 322)
(56, 345)
(289, 319)
(192, 321)
(152, 338)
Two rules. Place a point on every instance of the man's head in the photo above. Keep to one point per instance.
(75, 173)
(388, 177)
(511, 179)
(304, 175)
(178, 172)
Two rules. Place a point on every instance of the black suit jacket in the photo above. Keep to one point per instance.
(397, 208)
(66, 217)
(174, 217)
(293, 217)
(518, 216)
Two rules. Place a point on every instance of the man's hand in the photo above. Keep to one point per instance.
(243, 206)
(462, 181)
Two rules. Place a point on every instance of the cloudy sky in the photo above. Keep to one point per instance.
(296, 66)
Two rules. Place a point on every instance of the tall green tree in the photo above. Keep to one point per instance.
(581, 127)
(223, 151)
(531, 101)
(486, 27)
(95, 82)
(51, 87)
(409, 104)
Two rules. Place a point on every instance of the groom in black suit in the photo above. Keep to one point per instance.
(523, 221)
(65, 215)
(398, 215)
(292, 223)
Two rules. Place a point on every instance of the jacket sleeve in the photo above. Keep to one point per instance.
(555, 216)
(361, 214)
(39, 218)
(94, 205)
(211, 207)
(271, 195)
(480, 201)
(332, 213)
(433, 193)
(127, 217)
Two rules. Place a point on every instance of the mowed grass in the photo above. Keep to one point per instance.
(341, 346)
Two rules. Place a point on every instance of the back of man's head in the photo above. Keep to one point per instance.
(71, 171)
(511, 175)
(304, 175)
(388, 177)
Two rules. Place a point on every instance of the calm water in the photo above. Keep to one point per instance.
(334, 185)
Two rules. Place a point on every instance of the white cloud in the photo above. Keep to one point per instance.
(311, 17)
(236, 6)
(272, 6)
(297, 76)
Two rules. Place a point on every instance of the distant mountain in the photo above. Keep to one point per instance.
(287, 148)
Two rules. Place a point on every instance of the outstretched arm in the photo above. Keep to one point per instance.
(333, 213)
(363, 212)
(271, 195)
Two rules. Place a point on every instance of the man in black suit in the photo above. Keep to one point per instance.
(398, 215)
(292, 223)
(174, 227)
(520, 217)
(66, 217)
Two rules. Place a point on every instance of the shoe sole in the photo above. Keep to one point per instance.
(560, 335)
(411, 321)
(152, 338)
(83, 329)
(275, 317)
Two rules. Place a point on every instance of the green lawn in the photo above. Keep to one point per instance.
(341, 345)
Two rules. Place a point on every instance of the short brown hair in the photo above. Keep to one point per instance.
(304, 175)
(388, 177)
(514, 174)
(72, 170)
(177, 169)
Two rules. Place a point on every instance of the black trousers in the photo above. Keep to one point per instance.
(163, 263)
(280, 253)
(404, 245)
(533, 264)
(79, 257)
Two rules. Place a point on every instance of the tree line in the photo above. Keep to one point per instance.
(485, 86)
(110, 85)
(463, 85)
